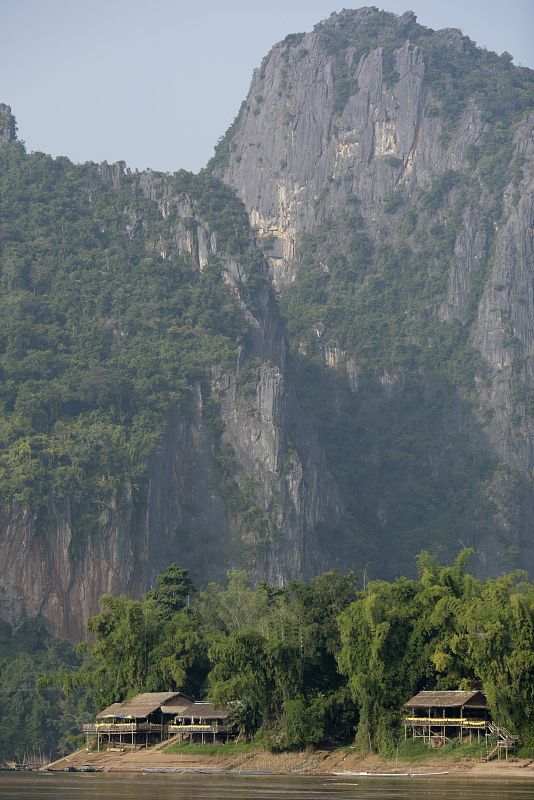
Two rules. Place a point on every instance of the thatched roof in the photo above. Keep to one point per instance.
(109, 711)
(204, 711)
(447, 700)
(144, 704)
(177, 704)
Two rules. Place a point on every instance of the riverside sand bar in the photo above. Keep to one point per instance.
(316, 762)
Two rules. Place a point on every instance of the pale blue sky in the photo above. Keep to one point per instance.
(156, 82)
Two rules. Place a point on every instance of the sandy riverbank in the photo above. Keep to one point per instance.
(314, 762)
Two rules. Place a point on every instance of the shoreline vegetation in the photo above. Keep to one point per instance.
(320, 664)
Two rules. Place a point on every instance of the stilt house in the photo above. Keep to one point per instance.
(437, 717)
(151, 717)
(201, 721)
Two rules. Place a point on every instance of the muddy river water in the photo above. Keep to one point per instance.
(60, 786)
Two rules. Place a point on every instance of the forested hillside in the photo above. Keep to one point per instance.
(315, 354)
(100, 332)
(147, 411)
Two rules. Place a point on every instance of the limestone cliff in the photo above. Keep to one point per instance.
(432, 138)
(7, 124)
(341, 121)
(378, 401)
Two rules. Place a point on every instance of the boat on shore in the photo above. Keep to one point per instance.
(389, 774)
(180, 771)
(83, 768)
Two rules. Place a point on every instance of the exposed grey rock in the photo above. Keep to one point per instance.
(384, 140)
(504, 332)
(8, 128)
(388, 138)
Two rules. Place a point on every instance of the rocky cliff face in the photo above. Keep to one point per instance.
(340, 122)
(375, 107)
(243, 484)
(278, 462)
(504, 329)
(387, 172)
(7, 124)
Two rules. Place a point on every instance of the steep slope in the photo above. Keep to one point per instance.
(393, 196)
(147, 413)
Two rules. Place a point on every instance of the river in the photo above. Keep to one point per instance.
(57, 786)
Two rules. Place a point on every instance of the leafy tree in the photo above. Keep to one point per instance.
(32, 717)
(495, 636)
(174, 590)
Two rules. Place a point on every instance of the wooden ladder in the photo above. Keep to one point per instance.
(505, 741)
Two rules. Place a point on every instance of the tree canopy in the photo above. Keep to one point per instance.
(318, 662)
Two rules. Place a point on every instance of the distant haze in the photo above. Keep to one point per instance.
(157, 83)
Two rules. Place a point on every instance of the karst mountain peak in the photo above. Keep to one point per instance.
(316, 353)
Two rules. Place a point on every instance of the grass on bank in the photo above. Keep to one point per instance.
(416, 750)
(229, 749)
(410, 750)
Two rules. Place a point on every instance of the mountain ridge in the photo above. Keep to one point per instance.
(377, 402)
(391, 144)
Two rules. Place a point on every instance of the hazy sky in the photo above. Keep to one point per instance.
(156, 82)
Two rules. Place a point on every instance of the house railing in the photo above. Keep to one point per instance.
(449, 722)
(122, 727)
(200, 727)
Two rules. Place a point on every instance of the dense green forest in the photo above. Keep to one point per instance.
(103, 328)
(47, 720)
(322, 662)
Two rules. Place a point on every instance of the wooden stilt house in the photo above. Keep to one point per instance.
(202, 722)
(437, 717)
(136, 722)
(150, 717)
